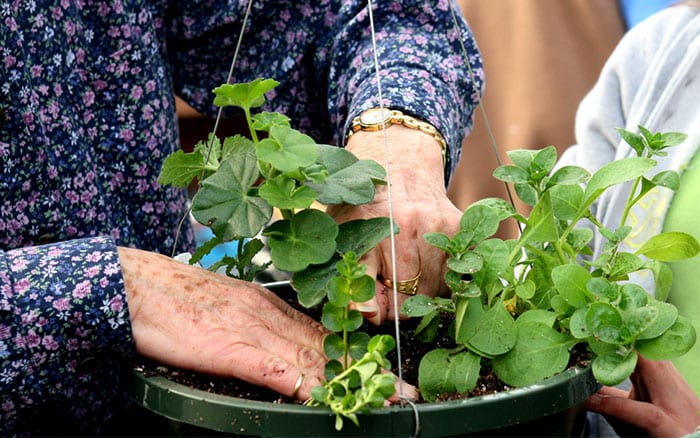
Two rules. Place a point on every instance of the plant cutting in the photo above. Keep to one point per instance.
(520, 306)
(242, 180)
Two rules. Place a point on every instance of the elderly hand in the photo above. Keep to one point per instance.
(660, 403)
(187, 317)
(420, 205)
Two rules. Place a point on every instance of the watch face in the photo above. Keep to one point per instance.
(375, 116)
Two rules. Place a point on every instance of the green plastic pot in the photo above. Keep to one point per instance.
(551, 408)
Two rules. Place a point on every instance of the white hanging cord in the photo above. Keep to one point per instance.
(391, 204)
(482, 107)
(216, 122)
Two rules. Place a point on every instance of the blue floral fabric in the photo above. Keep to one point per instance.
(87, 116)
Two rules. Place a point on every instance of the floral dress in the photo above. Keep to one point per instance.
(87, 116)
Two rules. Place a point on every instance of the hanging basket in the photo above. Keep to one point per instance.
(553, 407)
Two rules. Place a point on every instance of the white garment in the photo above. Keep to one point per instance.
(651, 79)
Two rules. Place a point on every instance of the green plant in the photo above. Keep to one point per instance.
(521, 305)
(241, 181)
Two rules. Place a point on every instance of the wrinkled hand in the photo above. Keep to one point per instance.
(187, 317)
(420, 205)
(660, 403)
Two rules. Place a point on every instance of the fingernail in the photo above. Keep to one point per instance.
(367, 307)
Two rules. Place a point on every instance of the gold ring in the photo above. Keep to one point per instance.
(297, 384)
(408, 287)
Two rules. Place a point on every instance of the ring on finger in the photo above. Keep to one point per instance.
(408, 287)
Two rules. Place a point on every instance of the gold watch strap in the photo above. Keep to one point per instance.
(374, 120)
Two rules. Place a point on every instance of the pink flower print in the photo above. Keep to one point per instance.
(31, 340)
(22, 285)
(70, 28)
(49, 343)
(94, 257)
(72, 344)
(112, 268)
(56, 13)
(82, 289)
(127, 134)
(18, 265)
(116, 304)
(36, 70)
(136, 93)
(89, 98)
(4, 331)
(92, 271)
(54, 252)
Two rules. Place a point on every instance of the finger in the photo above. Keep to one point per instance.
(261, 368)
(373, 310)
(635, 413)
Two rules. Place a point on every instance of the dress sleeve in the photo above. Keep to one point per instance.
(422, 51)
(64, 330)
(321, 52)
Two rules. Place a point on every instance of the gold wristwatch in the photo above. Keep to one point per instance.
(375, 119)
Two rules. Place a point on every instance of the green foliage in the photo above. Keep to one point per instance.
(243, 180)
(520, 306)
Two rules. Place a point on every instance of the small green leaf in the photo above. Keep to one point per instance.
(361, 235)
(223, 202)
(495, 333)
(180, 168)
(540, 352)
(569, 175)
(357, 344)
(281, 192)
(667, 314)
(287, 149)
(333, 346)
(308, 238)
(663, 278)
(503, 208)
(612, 368)
(418, 305)
(467, 263)
(570, 280)
(541, 226)
(338, 291)
(566, 201)
(636, 141)
(670, 246)
(352, 185)
(362, 289)
(604, 322)
(439, 240)
(265, 120)
(244, 95)
(428, 327)
(615, 172)
(669, 179)
(511, 174)
(522, 158)
(481, 221)
(675, 342)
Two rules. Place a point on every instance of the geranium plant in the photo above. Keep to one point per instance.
(521, 305)
(243, 179)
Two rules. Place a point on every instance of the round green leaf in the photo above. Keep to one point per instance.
(676, 341)
(333, 346)
(540, 352)
(308, 238)
(612, 369)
